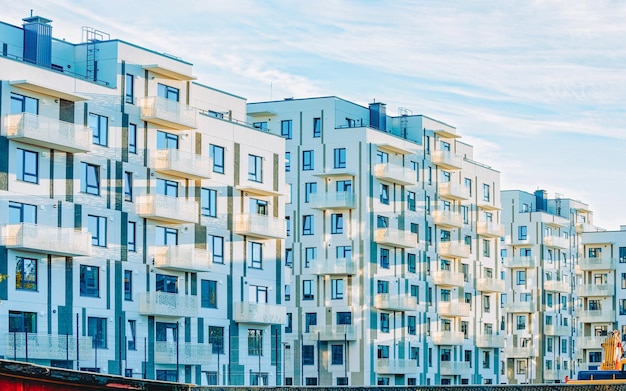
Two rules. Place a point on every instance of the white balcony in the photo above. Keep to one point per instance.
(395, 366)
(520, 262)
(334, 267)
(47, 347)
(490, 229)
(448, 337)
(168, 113)
(520, 352)
(454, 249)
(182, 164)
(453, 308)
(585, 227)
(394, 173)
(333, 200)
(447, 160)
(259, 313)
(453, 191)
(181, 258)
(335, 332)
(188, 353)
(168, 304)
(448, 278)
(596, 290)
(590, 264)
(487, 341)
(167, 209)
(557, 330)
(596, 316)
(454, 368)
(395, 238)
(490, 285)
(385, 301)
(48, 132)
(46, 239)
(447, 219)
(260, 226)
(519, 307)
(590, 342)
(557, 286)
(556, 241)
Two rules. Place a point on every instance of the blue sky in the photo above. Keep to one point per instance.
(538, 87)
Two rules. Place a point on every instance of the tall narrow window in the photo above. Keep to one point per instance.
(27, 165)
(97, 330)
(287, 161)
(90, 179)
(216, 153)
(128, 186)
(255, 168)
(26, 274)
(317, 127)
(256, 255)
(285, 129)
(97, 226)
(89, 281)
(132, 138)
(209, 202)
(307, 225)
(208, 291)
(309, 188)
(130, 89)
(128, 285)
(307, 161)
(336, 223)
(217, 249)
(99, 125)
(384, 194)
(340, 158)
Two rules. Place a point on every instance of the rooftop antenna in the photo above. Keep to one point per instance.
(31, 13)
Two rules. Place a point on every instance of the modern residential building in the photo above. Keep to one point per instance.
(141, 219)
(393, 236)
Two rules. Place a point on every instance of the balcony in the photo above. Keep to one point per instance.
(334, 267)
(585, 264)
(260, 226)
(395, 366)
(557, 330)
(519, 307)
(453, 191)
(181, 258)
(48, 132)
(188, 353)
(394, 173)
(46, 239)
(336, 332)
(168, 113)
(556, 241)
(47, 347)
(259, 313)
(487, 341)
(168, 304)
(490, 229)
(453, 308)
(590, 342)
(601, 316)
(447, 160)
(520, 352)
(334, 200)
(490, 285)
(519, 262)
(167, 209)
(557, 286)
(585, 227)
(182, 164)
(448, 278)
(385, 301)
(595, 290)
(447, 219)
(454, 368)
(448, 337)
(454, 250)
(395, 238)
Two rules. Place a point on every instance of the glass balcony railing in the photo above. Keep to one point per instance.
(167, 209)
(260, 226)
(168, 113)
(168, 304)
(48, 132)
(46, 239)
(182, 164)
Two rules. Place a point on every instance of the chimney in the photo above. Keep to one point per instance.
(378, 116)
(38, 41)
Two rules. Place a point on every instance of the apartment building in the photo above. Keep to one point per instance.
(541, 261)
(392, 274)
(141, 219)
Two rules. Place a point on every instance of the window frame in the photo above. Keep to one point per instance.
(22, 174)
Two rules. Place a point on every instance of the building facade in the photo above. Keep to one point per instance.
(142, 220)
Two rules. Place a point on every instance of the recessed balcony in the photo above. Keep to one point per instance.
(168, 304)
(557, 330)
(448, 337)
(448, 278)
(168, 113)
(595, 290)
(333, 267)
(335, 332)
(167, 209)
(556, 241)
(333, 200)
(447, 160)
(519, 306)
(520, 352)
(181, 258)
(590, 342)
(259, 313)
(182, 164)
(395, 238)
(596, 316)
(48, 132)
(453, 191)
(490, 229)
(183, 353)
(47, 347)
(454, 249)
(395, 366)
(490, 285)
(520, 262)
(487, 341)
(454, 368)
(557, 286)
(590, 264)
(46, 239)
(447, 219)
(395, 173)
(453, 308)
(385, 301)
(260, 226)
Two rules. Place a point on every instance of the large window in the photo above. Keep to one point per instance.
(27, 165)
(255, 168)
(89, 281)
(216, 153)
(20, 322)
(22, 213)
(255, 342)
(165, 283)
(344, 317)
(344, 185)
(310, 253)
(344, 252)
(24, 104)
(168, 92)
(26, 274)
(285, 129)
(257, 293)
(99, 125)
(308, 355)
(340, 158)
(216, 339)
(336, 354)
(90, 178)
(308, 162)
(256, 255)
(208, 290)
(97, 226)
(209, 202)
(336, 226)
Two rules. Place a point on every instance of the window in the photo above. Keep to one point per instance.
(522, 232)
(166, 332)
(132, 138)
(287, 161)
(340, 158)
(167, 92)
(24, 104)
(317, 127)
(285, 129)
(337, 289)
(27, 166)
(129, 93)
(622, 255)
(128, 186)
(90, 178)
(382, 286)
(288, 257)
(344, 186)
(310, 253)
(307, 161)
(97, 330)
(486, 192)
(309, 188)
(256, 255)
(486, 359)
(258, 206)
(132, 335)
(310, 319)
(287, 292)
(308, 356)
(208, 291)
(166, 140)
(208, 202)
(427, 204)
(384, 258)
(22, 213)
(289, 323)
(288, 225)
(336, 354)
(521, 322)
(307, 290)
(410, 201)
(344, 318)
(384, 194)
(255, 168)
(411, 325)
(97, 226)
(257, 293)
(165, 283)
(99, 125)
(521, 277)
(260, 125)
(21, 322)
(26, 274)
(465, 214)
(464, 328)
(384, 322)
(411, 262)
(344, 252)
(217, 249)
(549, 345)
(89, 281)
(170, 375)
(486, 249)
(167, 187)
(216, 153)
(216, 339)
(128, 285)
(487, 303)
(521, 367)
(382, 221)
(336, 223)
(445, 295)
(307, 225)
